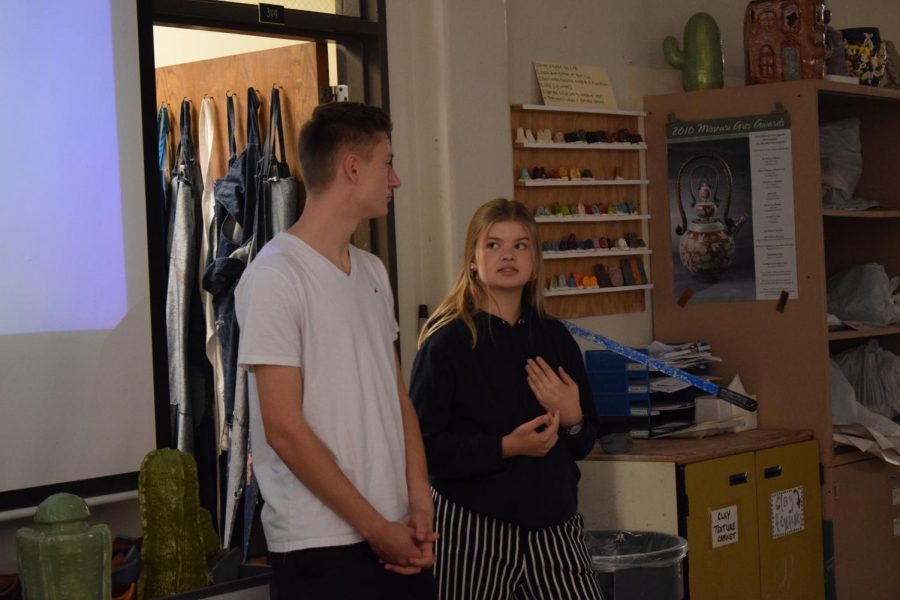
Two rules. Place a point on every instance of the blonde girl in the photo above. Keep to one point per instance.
(505, 411)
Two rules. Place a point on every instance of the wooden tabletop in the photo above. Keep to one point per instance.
(690, 451)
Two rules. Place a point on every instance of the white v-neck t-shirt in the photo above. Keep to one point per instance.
(296, 308)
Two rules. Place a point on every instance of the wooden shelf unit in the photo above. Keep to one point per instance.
(557, 254)
(782, 356)
(590, 218)
(619, 174)
(582, 145)
(862, 333)
(861, 214)
(607, 290)
(577, 182)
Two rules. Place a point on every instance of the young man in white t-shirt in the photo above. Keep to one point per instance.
(336, 444)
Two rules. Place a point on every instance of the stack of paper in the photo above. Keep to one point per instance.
(683, 356)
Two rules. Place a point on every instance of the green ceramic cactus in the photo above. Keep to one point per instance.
(211, 543)
(173, 549)
(701, 63)
(64, 557)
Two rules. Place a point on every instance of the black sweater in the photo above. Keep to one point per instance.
(468, 399)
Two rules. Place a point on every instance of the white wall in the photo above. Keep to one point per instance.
(449, 102)
(176, 45)
(456, 65)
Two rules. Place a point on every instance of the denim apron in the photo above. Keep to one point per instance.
(280, 202)
(184, 249)
(163, 159)
(235, 209)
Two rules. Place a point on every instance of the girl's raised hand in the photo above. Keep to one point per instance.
(554, 392)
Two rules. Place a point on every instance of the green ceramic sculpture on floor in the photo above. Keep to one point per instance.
(173, 549)
(63, 557)
(701, 63)
(211, 543)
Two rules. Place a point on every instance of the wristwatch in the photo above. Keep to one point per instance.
(574, 429)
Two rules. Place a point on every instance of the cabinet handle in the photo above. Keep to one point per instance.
(772, 472)
(738, 478)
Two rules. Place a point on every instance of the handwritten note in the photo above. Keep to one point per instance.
(574, 85)
(724, 526)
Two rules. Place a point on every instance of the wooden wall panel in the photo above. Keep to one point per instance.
(865, 544)
(782, 357)
(292, 67)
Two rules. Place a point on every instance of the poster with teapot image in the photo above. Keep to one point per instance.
(731, 202)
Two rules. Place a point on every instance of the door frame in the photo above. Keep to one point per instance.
(363, 54)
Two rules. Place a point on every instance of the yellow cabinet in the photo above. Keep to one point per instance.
(790, 517)
(749, 505)
(721, 526)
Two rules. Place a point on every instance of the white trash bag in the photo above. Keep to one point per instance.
(841, 162)
(874, 375)
(864, 293)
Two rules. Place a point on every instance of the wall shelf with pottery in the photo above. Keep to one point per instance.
(619, 175)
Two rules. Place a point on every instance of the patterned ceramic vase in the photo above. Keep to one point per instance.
(866, 54)
(707, 250)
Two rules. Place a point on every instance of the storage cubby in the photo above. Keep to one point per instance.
(618, 179)
(782, 351)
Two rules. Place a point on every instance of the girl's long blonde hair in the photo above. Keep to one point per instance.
(468, 294)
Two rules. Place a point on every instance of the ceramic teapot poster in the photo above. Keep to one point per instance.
(731, 202)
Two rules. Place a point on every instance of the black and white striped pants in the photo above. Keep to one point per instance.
(482, 558)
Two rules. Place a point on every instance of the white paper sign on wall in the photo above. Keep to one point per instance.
(787, 512)
(575, 85)
(724, 525)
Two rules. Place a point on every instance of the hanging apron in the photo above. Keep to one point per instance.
(208, 244)
(235, 208)
(183, 241)
(277, 208)
(164, 159)
(279, 203)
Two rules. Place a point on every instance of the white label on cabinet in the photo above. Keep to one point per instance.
(787, 512)
(895, 496)
(724, 523)
(896, 527)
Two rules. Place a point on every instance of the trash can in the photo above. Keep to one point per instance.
(636, 565)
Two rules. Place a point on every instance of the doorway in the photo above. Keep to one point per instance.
(210, 52)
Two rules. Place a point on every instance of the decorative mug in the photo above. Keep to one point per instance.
(866, 54)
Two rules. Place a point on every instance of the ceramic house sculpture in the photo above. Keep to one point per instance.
(784, 40)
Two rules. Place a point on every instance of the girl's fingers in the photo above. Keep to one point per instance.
(565, 377)
(538, 421)
(534, 370)
(553, 425)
